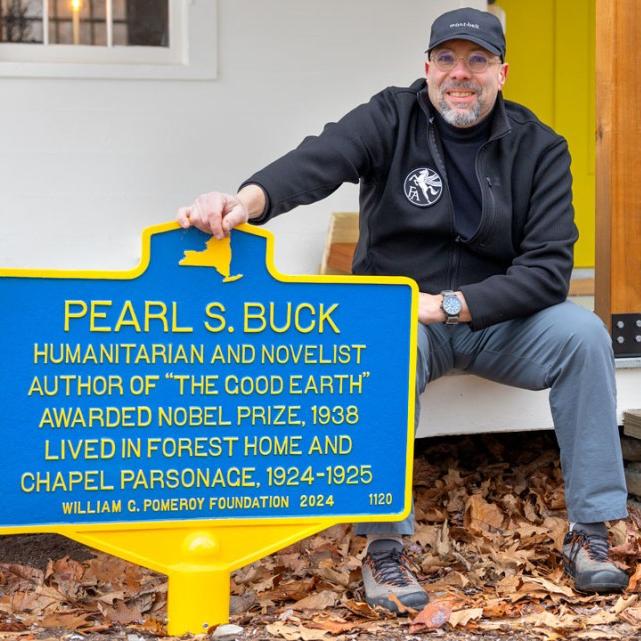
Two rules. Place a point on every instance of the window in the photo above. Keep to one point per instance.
(21, 21)
(86, 22)
(108, 38)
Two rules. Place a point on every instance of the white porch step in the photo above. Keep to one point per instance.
(466, 404)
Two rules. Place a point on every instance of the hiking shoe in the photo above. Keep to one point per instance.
(386, 571)
(585, 559)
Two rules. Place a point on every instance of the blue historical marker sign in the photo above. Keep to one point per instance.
(204, 386)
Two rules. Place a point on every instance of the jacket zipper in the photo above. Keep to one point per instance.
(453, 257)
(485, 219)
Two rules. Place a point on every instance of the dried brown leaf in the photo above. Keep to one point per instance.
(110, 597)
(463, 617)
(20, 577)
(527, 530)
(456, 580)
(598, 634)
(624, 603)
(632, 616)
(550, 586)
(143, 600)
(293, 562)
(254, 574)
(70, 620)
(511, 559)
(556, 499)
(633, 585)
(618, 533)
(267, 584)
(547, 619)
(294, 633)
(116, 574)
(425, 535)
(499, 609)
(511, 504)
(456, 500)
(152, 626)
(319, 601)
(243, 602)
(121, 613)
(333, 625)
(433, 515)
(334, 576)
(433, 616)
(66, 575)
(530, 512)
(481, 515)
(293, 590)
(360, 608)
(36, 602)
(508, 584)
(601, 618)
(547, 633)
(431, 564)
(12, 625)
(442, 544)
(530, 591)
(557, 528)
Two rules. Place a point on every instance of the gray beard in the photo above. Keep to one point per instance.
(458, 118)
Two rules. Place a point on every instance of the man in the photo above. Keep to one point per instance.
(470, 195)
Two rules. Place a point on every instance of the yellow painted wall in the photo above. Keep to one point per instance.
(550, 48)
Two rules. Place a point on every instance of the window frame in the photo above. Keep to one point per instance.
(191, 54)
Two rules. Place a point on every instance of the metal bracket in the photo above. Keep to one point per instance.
(626, 334)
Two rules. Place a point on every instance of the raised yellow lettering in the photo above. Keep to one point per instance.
(219, 318)
(160, 315)
(127, 317)
(254, 312)
(74, 309)
(94, 315)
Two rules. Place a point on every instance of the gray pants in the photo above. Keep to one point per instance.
(564, 348)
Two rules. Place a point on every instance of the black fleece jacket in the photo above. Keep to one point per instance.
(519, 260)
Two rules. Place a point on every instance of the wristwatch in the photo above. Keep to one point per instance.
(451, 305)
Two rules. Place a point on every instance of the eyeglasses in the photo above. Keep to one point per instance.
(476, 62)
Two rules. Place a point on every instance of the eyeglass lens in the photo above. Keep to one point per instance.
(446, 60)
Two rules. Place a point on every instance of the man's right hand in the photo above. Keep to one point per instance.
(217, 213)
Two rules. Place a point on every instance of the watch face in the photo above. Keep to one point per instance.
(451, 305)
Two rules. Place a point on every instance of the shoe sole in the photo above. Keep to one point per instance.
(594, 587)
(393, 607)
(600, 588)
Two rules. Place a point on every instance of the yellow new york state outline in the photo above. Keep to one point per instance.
(199, 555)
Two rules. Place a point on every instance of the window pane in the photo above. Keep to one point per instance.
(81, 22)
(60, 32)
(145, 22)
(120, 33)
(119, 10)
(20, 20)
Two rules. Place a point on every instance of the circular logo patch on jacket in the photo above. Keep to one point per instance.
(423, 187)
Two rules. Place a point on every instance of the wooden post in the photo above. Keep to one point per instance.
(618, 172)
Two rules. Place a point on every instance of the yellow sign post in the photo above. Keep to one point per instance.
(198, 559)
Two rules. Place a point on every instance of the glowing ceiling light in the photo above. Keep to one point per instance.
(76, 5)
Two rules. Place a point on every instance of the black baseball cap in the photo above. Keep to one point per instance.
(480, 27)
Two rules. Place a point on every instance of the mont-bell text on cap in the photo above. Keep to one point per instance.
(480, 27)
